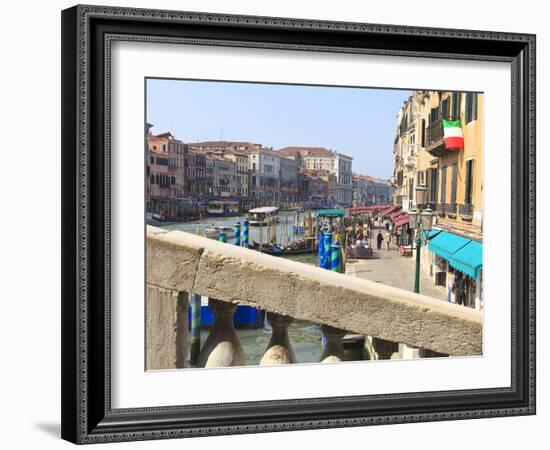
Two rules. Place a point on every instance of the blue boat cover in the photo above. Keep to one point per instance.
(469, 259)
(447, 244)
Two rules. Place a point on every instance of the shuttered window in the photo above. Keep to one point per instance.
(443, 198)
(468, 196)
(454, 182)
(471, 107)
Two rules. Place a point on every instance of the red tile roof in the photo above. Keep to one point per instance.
(306, 151)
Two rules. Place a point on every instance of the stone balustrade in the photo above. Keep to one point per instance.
(179, 263)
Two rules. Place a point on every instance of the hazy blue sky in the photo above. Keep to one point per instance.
(357, 122)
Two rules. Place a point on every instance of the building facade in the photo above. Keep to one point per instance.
(240, 158)
(405, 151)
(452, 172)
(379, 191)
(167, 167)
(265, 167)
(360, 195)
(322, 159)
(288, 181)
(221, 176)
(196, 174)
(369, 191)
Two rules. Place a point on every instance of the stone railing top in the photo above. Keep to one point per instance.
(186, 262)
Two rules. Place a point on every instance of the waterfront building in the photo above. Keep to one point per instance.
(265, 167)
(196, 174)
(288, 181)
(237, 152)
(320, 158)
(166, 161)
(221, 178)
(147, 130)
(317, 187)
(240, 158)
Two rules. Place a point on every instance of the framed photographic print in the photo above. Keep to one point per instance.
(283, 224)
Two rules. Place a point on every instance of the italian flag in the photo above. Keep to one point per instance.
(452, 134)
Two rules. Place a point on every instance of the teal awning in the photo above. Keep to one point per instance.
(469, 259)
(446, 244)
(430, 234)
(330, 212)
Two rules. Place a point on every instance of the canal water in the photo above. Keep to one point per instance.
(305, 336)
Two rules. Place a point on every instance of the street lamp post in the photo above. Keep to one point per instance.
(420, 219)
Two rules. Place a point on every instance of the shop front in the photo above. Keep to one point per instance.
(457, 264)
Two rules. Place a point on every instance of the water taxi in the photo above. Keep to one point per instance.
(265, 215)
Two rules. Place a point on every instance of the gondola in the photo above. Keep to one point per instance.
(301, 250)
(273, 250)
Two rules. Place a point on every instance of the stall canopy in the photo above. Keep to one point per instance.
(389, 210)
(361, 209)
(330, 212)
(469, 259)
(402, 220)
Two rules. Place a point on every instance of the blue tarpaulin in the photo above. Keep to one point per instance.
(469, 259)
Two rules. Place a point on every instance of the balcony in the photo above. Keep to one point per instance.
(410, 161)
(435, 145)
(466, 211)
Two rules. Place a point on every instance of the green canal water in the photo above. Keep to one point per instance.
(305, 336)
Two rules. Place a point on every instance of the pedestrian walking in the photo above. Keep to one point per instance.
(460, 289)
(387, 239)
(451, 287)
(379, 239)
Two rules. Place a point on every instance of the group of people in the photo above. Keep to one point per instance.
(456, 287)
(386, 238)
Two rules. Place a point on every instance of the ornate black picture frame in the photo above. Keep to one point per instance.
(87, 33)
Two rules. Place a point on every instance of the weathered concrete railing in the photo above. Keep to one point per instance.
(179, 263)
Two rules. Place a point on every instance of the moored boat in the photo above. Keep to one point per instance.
(265, 215)
(301, 247)
(273, 250)
(213, 232)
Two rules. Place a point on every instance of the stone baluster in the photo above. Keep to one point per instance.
(222, 347)
(384, 349)
(279, 350)
(334, 344)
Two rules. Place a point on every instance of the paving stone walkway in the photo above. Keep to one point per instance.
(391, 268)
